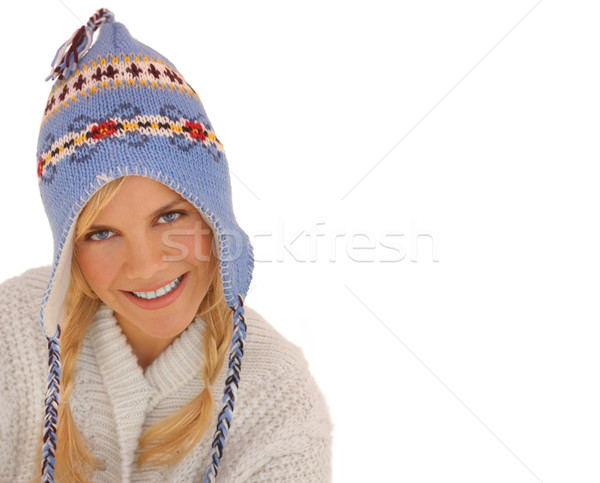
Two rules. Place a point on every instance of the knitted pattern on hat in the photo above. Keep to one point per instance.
(119, 108)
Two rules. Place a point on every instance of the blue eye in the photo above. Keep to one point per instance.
(169, 217)
(101, 235)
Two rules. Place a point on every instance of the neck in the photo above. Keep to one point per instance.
(145, 347)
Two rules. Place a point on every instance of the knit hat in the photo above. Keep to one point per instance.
(119, 108)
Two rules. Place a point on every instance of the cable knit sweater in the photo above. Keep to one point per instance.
(281, 429)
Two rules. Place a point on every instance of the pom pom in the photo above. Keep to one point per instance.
(67, 56)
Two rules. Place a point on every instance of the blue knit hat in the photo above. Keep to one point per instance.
(119, 108)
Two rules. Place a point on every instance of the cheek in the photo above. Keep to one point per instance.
(195, 247)
(98, 270)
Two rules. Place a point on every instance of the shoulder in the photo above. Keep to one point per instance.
(270, 358)
(282, 423)
(24, 344)
(20, 301)
(276, 377)
(269, 350)
(30, 282)
(24, 369)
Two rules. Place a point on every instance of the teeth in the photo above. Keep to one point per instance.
(154, 294)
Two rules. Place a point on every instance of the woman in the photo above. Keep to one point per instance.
(143, 308)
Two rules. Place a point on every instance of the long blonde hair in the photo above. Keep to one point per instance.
(171, 439)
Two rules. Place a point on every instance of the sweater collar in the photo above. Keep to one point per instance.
(125, 384)
(177, 365)
(134, 392)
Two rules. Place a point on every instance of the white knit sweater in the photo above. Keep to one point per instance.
(281, 428)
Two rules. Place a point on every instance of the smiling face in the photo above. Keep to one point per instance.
(148, 256)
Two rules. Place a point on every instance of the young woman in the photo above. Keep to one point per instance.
(137, 372)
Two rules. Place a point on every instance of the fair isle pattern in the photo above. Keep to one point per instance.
(230, 392)
(116, 127)
(116, 72)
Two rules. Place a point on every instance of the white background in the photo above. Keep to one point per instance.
(465, 350)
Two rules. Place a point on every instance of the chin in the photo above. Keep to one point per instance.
(165, 326)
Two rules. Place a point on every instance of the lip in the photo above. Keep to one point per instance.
(156, 286)
(159, 302)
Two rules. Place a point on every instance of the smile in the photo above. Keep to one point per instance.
(162, 291)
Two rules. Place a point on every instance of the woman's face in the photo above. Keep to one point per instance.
(148, 257)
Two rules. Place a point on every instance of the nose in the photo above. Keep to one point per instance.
(144, 258)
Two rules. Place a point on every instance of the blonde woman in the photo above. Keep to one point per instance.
(148, 365)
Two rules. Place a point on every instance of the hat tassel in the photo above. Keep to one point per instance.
(67, 56)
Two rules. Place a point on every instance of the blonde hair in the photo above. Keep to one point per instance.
(171, 439)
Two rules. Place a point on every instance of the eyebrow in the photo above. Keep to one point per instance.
(167, 207)
(157, 212)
